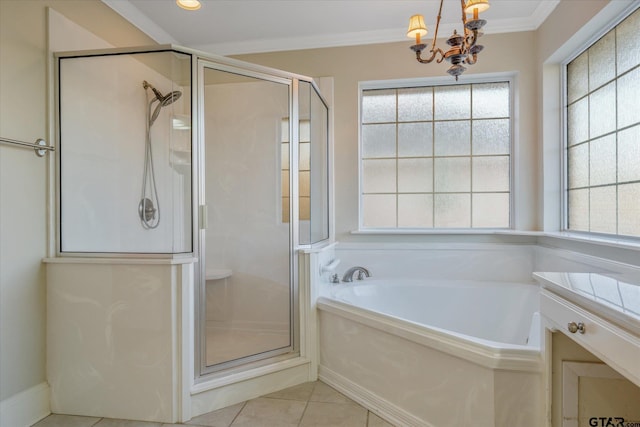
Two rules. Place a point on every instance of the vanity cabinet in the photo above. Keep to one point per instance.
(601, 316)
(600, 313)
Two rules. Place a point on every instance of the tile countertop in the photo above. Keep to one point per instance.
(612, 299)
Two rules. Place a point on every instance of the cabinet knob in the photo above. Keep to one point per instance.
(574, 327)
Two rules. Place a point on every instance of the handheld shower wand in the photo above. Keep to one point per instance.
(148, 212)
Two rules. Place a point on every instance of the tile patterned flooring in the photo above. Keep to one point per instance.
(312, 404)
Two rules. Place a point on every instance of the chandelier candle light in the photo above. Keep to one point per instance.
(464, 48)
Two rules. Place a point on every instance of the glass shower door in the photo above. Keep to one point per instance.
(313, 166)
(247, 295)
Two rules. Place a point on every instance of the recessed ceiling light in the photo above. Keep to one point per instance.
(189, 4)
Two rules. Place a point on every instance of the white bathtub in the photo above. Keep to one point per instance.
(493, 314)
(435, 353)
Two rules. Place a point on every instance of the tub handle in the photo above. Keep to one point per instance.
(574, 327)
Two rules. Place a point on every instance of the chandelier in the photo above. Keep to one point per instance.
(464, 48)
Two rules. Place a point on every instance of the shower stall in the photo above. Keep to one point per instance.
(215, 168)
(258, 129)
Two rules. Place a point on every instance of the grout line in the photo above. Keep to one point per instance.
(238, 414)
(306, 405)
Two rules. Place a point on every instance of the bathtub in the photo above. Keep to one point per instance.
(435, 353)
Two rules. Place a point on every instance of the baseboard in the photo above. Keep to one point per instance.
(374, 403)
(26, 408)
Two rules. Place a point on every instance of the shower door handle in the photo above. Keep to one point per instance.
(203, 218)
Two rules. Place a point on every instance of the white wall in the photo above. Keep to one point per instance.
(23, 192)
(23, 185)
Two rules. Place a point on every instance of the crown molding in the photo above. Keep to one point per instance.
(393, 35)
(306, 42)
(543, 11)
(132, 14)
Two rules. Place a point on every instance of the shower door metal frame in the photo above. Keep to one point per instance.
(202, 371)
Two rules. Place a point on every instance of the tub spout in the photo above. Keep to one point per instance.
(362, 273)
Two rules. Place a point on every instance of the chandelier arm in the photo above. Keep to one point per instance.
(431, 58)
(435, 35)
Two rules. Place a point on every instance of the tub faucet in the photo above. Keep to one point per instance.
(362, 273)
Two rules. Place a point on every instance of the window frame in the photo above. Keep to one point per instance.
(502, 77)
(564, 142)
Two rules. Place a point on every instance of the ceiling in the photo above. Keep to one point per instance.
(228, 27)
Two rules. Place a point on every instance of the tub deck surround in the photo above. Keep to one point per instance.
(599, 312)
(412, 384)
(434, 375)
(484, 353)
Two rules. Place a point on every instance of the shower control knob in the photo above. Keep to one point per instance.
(574, 327)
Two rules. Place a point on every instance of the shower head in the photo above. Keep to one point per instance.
(165, 100)
(170, 98)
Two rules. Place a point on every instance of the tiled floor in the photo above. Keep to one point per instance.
(313, 404)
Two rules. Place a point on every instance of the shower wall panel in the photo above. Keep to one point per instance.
(103, 113)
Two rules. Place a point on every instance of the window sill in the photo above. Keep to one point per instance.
(610, 242)
(447, 232)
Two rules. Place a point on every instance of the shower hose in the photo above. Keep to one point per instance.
(148, 210)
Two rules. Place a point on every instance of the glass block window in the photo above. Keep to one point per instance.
(603, 134)
(304, 170)
(436, 156)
